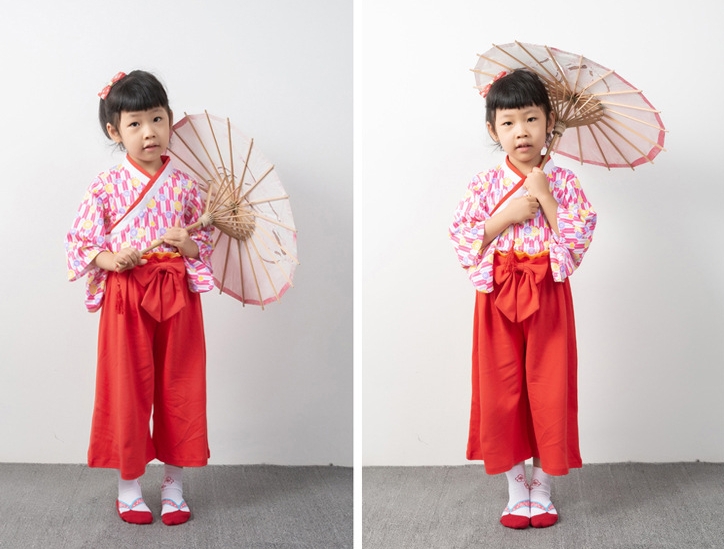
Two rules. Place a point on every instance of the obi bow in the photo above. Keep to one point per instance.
(165, 284)
(517, 278)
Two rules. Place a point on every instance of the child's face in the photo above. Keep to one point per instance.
(145, 135)
(522, 133)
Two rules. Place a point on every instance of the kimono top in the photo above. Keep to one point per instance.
(576, 223)
(153, 205)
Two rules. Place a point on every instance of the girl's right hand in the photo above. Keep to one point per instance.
(522, 208)
(127, 259)
(518, 210)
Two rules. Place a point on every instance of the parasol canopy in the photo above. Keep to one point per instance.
(608, 121)
(255, 240)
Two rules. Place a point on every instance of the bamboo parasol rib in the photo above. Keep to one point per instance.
(622, 132)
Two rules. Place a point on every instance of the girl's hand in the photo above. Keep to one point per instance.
(127, 259)
(538, 187)
(178, 237)
(537, 184)
(518, 210)
(522, 208)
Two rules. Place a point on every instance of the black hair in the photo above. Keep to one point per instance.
(521, 88)
(137, 91)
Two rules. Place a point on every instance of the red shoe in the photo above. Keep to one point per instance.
(131, 516)
(519, 522)
(175, 517)
(544, 520)
(515, 521)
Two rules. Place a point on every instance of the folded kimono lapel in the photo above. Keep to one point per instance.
(517, 280)
(165, 293)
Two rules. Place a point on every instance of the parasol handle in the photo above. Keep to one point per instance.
(204, 221)
(557, 132)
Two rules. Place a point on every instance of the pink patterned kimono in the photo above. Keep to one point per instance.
(576, 223)
(151, 344)
(524, 397)
(100, 223)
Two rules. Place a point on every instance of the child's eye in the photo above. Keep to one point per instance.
(158, 119)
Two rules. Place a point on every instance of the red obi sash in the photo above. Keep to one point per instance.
(517, 277)
(164, 281)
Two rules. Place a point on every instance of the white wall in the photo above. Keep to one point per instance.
(280, 381)
(649, 297)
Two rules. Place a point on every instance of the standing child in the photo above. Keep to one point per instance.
(151, 349)
(520, 232)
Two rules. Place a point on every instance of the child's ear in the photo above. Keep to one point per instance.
(551, 121)
(491, 131)
(113, 132)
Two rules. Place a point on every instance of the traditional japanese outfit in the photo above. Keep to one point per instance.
(151, 346)
(524, 398)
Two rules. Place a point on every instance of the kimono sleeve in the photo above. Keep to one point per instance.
(467, 231)
(200, 271)
(576, 223)
(87, 235)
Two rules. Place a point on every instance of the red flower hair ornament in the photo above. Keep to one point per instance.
(105, 91)
(486, 89)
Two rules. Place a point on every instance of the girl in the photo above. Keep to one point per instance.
(151, 350)
(520, 232)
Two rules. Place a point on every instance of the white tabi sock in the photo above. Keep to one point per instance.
(174, 509)
(517, 512)
(542, 511)
(130, 499)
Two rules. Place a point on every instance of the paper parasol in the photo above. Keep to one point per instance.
(255, 241)
(610, 122)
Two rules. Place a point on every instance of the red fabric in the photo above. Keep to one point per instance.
(176, 517)
(545, 520)
(149, 367)
(524, 395)
(134, 517)
(517, 522)
(163, 282)
(518, 278)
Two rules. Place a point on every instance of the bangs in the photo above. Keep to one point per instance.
(514, 97)
(135, 96)
(517, 90)
(511, 93)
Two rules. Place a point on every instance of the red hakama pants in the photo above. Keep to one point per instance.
(151, 363)
(524, 397)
